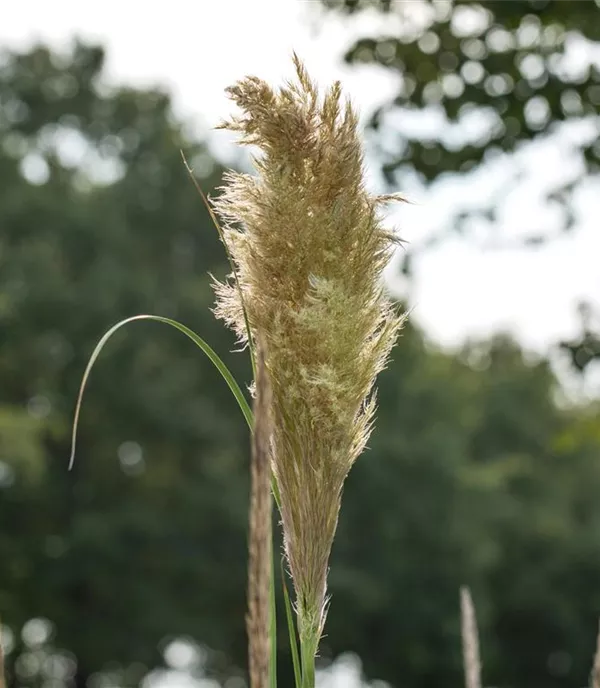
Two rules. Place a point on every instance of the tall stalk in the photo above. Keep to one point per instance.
(2, 674)
(308, 652)
(260, 568)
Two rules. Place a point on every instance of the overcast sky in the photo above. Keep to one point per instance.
(196, 49)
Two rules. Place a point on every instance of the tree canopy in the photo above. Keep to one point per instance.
(493, 79)
(494, 75)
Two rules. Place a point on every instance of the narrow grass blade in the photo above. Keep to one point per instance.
(218, 363)
(219, 229)
(291, 631)
(272, 618)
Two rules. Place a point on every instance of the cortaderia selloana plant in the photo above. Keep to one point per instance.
(307, 249)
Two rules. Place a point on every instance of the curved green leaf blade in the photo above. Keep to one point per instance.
(212, 355)
(291, 631)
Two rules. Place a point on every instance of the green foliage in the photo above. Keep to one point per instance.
(474, 475)
(504, 60)
(467, 484)
(129, 543)
(584, 349)
(21, 444)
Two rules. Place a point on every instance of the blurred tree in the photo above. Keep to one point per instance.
(491, 76)
(475, 475)
(99, 221)
(584, 349)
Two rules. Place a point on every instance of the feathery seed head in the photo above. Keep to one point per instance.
(309, 250)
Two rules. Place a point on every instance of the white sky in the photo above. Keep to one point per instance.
(198, 48)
